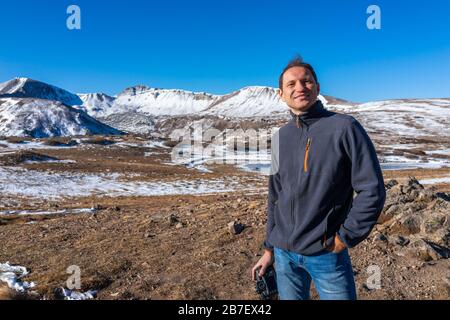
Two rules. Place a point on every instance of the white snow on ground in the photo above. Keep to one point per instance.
(435, 180)
(408, 166)
(53, 185)
(11, 275)
(259, 162)
(26, 145)
(419, 107)
(194, 156)
(262, 168)
(40, 213)
(143, 144)
(48, 161)
(74, 295)
(445, 152)
(403, 163)
(6, 146)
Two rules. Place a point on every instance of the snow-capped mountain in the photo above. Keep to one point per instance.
(141, 109)
(46, 118)
(29, 88)
(248, 102)
(96, 104)
(255, 101)
(152, 101)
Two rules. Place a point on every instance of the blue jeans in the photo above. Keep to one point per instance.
(332, 274)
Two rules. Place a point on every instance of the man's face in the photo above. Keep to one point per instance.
(300, 90)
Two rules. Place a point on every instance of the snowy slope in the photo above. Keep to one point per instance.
(408, 133)
(96, 104)
(130, 122)
(248, 102)
(406, 117)
(255, 101)
(153, 101)
(46, 118)
(29, 88)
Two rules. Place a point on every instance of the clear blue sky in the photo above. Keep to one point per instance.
(222, 45)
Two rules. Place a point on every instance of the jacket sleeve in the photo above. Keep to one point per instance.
(274, 188)
(367, 182)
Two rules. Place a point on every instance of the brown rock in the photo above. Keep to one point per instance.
(235, 227)
(172, 219)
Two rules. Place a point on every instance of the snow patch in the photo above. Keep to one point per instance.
(42, 213)
(11, 275)
(67, 294)
(435, 180)
(54, 185)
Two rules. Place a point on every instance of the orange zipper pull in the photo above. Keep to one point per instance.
(305, 162)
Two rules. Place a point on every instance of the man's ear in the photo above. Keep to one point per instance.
(318, 88)
(280, 94)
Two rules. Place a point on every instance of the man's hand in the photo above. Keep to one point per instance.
(337, 245)
(262, 264)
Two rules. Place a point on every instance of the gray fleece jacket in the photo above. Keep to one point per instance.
(319, 160)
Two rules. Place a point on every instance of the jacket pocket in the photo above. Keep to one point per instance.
(333, 222)
(305, 160)
(329, 232)
(275, 212)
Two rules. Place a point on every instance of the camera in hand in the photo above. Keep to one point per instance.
(266, 285)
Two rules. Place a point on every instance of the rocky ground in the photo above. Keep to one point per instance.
(202, 246)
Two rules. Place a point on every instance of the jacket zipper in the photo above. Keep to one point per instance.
(289, 241)
(305, 162)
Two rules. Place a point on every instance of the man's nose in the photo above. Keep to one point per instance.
(299, 86)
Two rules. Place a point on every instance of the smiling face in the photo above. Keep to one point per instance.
(299, 90)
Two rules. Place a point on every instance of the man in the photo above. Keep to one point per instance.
(320, 159)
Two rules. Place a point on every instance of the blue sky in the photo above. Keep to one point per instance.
(219, 46)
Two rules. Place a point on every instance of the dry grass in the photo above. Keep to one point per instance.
(100, 140)
(60, 141)
(17, 139)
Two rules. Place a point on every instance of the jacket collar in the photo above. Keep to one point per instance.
(314, 113)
